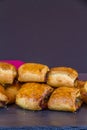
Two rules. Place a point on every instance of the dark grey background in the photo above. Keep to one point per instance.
(52, 32)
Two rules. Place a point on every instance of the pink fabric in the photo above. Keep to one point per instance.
(16, 63)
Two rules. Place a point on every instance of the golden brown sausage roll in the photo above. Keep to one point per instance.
(3, 97)
(32, 72)
(60, 76)
(8, 73)
(65, 99)
(33, 96)
(11, 92)
(80, 83)
(83, 91)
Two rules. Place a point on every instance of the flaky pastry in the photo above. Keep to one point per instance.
(8, 73)
(65, 99)
(83, 91)
(3, 97)
(32, 72)
(33, 96)
(60, 76)
(11, 92)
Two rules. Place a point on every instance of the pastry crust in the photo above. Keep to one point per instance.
(83, 91)
(33, 96)
(11, 92)
(8, 73)
(79, 84)
(65, 99)
(60, 76)
(32, 72)
(3, 97)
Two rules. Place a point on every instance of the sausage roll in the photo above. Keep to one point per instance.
(8, 73)
(79, 84)
(3, 97)
(33, 96)
(83, 91)
(11, 92)
(32, 72)
(65, 99)
(60, 76)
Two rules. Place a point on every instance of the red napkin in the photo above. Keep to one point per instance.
(16, 63)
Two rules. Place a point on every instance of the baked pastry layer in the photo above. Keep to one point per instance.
(8, 73)
(65, 99)
(3, 97)
(33, 96)
(60, 76)
(32, 72)
(11, 92)
(83, 91)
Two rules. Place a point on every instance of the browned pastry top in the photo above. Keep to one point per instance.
(33, 96)
(8, 73)
(34, 90)
(32, 67)
(64, 98)
(70, 71)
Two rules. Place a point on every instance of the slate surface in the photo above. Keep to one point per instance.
(13, 117)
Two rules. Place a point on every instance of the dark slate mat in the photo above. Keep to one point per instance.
(13, 118)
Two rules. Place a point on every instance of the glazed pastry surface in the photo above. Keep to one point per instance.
(65, 99)
(11, 92)
(3, 97)
(60, 76)
(32, 72)
(33, 96)
(8, 73)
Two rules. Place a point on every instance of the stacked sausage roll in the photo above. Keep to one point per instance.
(8, 83)
(53, 88)
(34, 93)
(34, 86)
